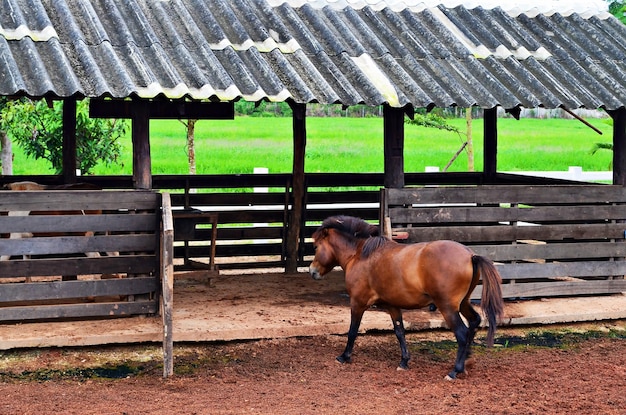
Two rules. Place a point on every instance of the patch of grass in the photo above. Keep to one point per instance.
(441, 351)
(120, 371)
(557, 339)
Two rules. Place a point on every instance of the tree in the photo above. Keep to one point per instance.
(432, 120)
(190, 126)
(6, 149)
(38, 129)
(618, 9)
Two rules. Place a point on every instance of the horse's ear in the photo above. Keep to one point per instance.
(374, 230)
(320, 233)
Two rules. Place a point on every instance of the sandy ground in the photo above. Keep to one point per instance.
(266, 344)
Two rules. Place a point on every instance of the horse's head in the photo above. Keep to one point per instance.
(325, 259)
(335, 240)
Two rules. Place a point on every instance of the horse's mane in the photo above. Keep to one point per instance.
(372, 244)
(351, 226)
(356, 229)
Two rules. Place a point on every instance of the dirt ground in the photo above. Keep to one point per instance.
(553, 369)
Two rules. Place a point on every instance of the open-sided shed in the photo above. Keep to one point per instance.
(146, 59)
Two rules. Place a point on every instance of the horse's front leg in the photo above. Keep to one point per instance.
(398, 328)
(356, 314)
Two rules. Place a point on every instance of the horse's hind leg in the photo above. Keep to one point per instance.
(356, 314)
(462, 335)
(398, 328)
(473, 319)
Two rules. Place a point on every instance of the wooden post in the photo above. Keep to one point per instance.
(167, 280)
(490, 150)
(393, 131)
(298, 189)
(69, 140)
(142, 167)
(619, 146)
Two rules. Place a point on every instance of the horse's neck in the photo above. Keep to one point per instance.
(345, 252)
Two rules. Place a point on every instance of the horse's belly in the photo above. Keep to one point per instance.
(406, 302)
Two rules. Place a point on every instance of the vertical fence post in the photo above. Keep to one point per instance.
(167, 279)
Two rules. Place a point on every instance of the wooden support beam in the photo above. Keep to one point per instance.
(298, 186)
(167, 289)
(619, 146)
(142, 165)
(490, 149)
(393, 131)
(69, 140)
(164, 110)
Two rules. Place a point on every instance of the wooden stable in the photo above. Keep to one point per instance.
(546, 241)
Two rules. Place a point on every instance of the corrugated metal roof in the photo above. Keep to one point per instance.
(327, 51)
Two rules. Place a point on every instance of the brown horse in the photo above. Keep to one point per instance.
(408, 276)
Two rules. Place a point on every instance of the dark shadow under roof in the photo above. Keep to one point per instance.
(224, 50)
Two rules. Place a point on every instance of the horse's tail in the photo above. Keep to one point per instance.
(491, 302)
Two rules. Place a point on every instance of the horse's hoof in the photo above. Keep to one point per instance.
(451, 376)
(342, 359)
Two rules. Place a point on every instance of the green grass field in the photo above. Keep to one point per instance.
(338, 145)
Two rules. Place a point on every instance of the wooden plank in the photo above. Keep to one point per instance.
(63, 311)
(519, 194)
(132, 264)
(78, 223)
(56, 290)
(578, 269)
(55, 200)
(560, 288)
(473, 214)
(177, 110)
(509, 233)
(78, 244)
(556, 251)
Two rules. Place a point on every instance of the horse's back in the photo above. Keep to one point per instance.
(411, 275)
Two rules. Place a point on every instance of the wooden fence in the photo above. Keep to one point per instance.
(251, 227)
(545, 240)
(104, 244)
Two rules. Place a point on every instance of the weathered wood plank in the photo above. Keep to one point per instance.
(560, 288)
(555, 251)
(78, 200)
(79, 223)
(78, 244)
(477, 214)
(578, 269)
(496, 194)
(507, 233)
(44, 312)
(56, 290)
(132, 264)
